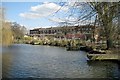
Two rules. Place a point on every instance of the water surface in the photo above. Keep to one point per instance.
(37, 61)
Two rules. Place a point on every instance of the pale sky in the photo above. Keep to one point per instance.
(35, 14)
(40, 13)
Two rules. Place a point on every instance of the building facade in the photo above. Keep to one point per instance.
(68, 32)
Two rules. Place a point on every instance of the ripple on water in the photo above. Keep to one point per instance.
(23, 61)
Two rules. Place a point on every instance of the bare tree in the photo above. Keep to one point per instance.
(107, 12)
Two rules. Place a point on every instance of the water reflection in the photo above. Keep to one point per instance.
(22, 61)
(7, 60)
(0, 61)
(105, 68)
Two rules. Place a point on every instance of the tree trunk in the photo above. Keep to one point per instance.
(109, 43)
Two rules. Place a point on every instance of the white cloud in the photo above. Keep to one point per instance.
(48, 6)
(55, 19)
(70, 19)
(30, 15)
(43, 10)
(74, 3)
(71, 3)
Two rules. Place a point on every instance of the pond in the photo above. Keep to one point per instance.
(38, 61)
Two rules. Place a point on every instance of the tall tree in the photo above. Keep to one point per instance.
(107, 12)
(6, 30)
